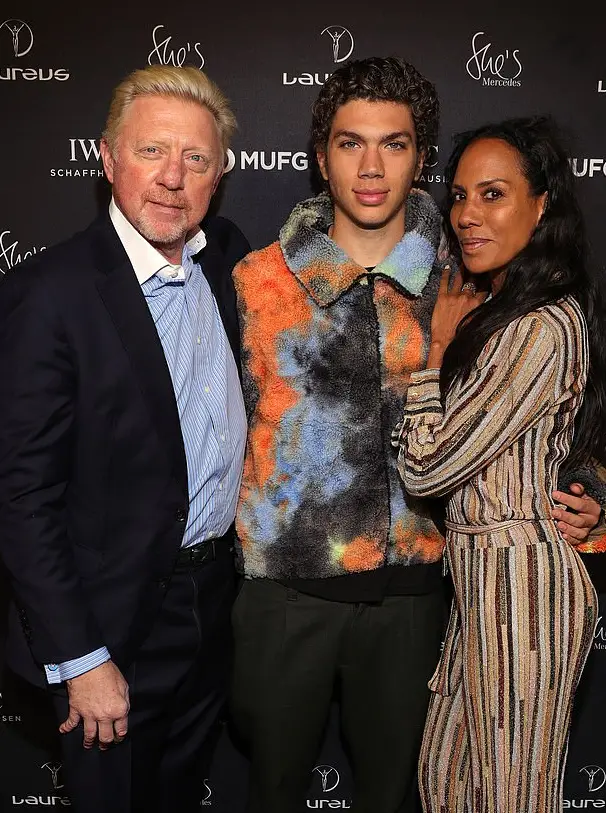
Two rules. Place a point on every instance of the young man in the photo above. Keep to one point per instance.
(343, 568)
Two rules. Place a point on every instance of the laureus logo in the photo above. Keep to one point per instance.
(342, 42)
(330, 777)
(54, 768)
(21, 35)
(21, 39)
(596, 777)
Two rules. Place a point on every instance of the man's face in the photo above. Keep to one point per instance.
(371, 161)
(165, 166)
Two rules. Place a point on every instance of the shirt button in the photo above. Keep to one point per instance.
(220, 486)
(180, 515)
(206, 389)
(222, 437)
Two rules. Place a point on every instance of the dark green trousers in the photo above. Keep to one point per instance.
(292, 651)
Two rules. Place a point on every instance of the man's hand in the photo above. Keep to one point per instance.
(575, 527)
(100, 699)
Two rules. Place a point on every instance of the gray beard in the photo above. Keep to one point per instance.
(161, 235)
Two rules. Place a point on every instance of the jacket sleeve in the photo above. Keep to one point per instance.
(518, 379)
(38, 384)
(593, 479)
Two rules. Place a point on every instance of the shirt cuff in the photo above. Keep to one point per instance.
(58, 672)
(423, 386)
(423, 406)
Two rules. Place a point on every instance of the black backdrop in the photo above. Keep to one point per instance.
(58, 64)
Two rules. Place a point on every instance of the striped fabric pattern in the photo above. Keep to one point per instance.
(207, 390)
(524, 610)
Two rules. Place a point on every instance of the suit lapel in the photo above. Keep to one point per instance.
(123, 298)
(212, 262)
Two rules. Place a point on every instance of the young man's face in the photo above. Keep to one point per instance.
(371, 161)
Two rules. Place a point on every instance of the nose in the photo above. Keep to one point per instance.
(172, 172)
(371, 165)
(468, 213)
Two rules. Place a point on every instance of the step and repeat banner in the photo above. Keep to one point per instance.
(58, 64)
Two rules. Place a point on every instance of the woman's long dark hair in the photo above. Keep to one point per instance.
(553, 265)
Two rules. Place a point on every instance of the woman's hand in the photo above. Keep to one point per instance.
(454, 302)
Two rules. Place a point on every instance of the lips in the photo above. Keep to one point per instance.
(471, 244)
(371, 197)
(166, 205)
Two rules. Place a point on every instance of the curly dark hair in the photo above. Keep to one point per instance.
(378, 79)
(553, 264)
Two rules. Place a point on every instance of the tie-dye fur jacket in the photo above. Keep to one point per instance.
(328, 350)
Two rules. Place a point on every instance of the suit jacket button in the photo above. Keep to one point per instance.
(181, 515)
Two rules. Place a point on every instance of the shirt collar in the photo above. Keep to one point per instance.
(326, 271)
(145, 259)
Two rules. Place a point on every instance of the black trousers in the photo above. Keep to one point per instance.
(292, 650)
(178, 687)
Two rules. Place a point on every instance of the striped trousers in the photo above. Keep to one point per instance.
(520, 630)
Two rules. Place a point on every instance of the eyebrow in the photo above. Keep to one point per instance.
(166, 142)
(483, 183)
(388, 137)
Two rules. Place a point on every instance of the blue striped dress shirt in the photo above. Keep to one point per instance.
(207, 390)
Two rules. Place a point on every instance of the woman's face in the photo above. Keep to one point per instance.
(494, 213)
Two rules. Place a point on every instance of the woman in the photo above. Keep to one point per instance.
(489, 424)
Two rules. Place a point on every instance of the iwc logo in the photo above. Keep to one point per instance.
(81, 151)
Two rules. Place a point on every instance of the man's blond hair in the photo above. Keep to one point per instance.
(188, 84)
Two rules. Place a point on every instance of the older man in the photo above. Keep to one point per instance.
(121, 447)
